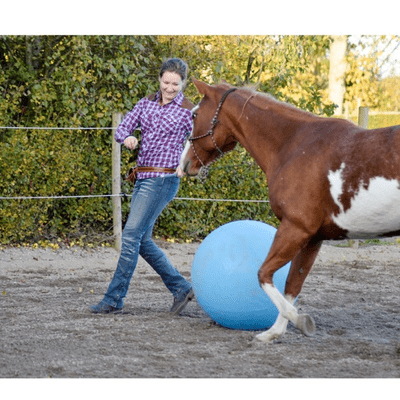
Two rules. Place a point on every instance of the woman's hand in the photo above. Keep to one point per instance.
(131, 142)
(179, 173)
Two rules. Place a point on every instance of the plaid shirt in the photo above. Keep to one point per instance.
(164, 130)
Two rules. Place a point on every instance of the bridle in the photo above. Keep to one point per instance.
(210, 132)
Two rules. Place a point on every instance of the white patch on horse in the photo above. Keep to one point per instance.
(287, 312)
(373, 211)
(185, 150)
(187, 145)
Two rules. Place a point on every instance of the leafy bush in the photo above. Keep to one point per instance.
(80, 81)
(65, 81)
(54, 163)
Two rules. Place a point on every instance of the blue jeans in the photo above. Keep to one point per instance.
(150, 196)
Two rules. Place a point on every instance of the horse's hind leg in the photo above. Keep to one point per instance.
(300, 267)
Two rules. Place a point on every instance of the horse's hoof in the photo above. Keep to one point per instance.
(265, 337)
(306, 324)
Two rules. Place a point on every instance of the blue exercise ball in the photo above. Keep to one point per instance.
(225, 275)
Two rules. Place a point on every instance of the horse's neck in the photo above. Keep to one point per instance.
(265, 128)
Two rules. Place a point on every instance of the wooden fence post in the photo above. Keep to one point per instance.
(363, 117)
(116, 182)
(363, 123)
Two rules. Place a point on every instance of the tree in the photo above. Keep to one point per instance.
(287, 67)
(74, 80)
(337, 71)
(365, 69)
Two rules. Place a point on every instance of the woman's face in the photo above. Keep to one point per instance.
(171, 84)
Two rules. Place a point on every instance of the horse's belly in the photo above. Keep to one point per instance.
(374, 211)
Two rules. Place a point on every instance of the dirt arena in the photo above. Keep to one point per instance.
(47, 330)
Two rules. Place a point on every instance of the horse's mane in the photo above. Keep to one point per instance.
(263, 100)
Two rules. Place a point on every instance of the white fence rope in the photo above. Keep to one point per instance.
(103, 195)
(44, 128)
(59, 197)
(127, 195)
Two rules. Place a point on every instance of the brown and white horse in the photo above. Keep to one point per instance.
(327, 179)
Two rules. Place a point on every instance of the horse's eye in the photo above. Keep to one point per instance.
(194, 114)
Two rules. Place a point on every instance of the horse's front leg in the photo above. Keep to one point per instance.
(287, 312)
(301, 264)
(278, 329)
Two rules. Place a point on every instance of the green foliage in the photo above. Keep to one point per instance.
(80, 81)
(361, 82)
(389, 94)
(291, 68)
(74, 80)
(55, 163)
(234, 177)
(65, 81)
(364, 86)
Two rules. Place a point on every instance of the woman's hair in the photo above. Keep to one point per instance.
(175, 65)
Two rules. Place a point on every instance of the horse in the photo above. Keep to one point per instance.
(328, 179)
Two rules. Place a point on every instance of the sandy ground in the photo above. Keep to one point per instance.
(46, 329)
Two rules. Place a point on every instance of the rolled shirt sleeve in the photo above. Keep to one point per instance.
(130, 122)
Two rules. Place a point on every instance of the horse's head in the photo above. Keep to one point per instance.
(211, 136)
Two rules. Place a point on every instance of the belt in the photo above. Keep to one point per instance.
(131, 176)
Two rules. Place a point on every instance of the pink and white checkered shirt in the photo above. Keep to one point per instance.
(164, 130)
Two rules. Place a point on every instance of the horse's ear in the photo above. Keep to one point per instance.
(201, 86)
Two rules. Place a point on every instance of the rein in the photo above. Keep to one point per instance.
(210, 132)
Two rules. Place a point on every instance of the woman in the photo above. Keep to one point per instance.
(165, 123)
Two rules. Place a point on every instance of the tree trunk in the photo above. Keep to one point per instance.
(337, 70)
